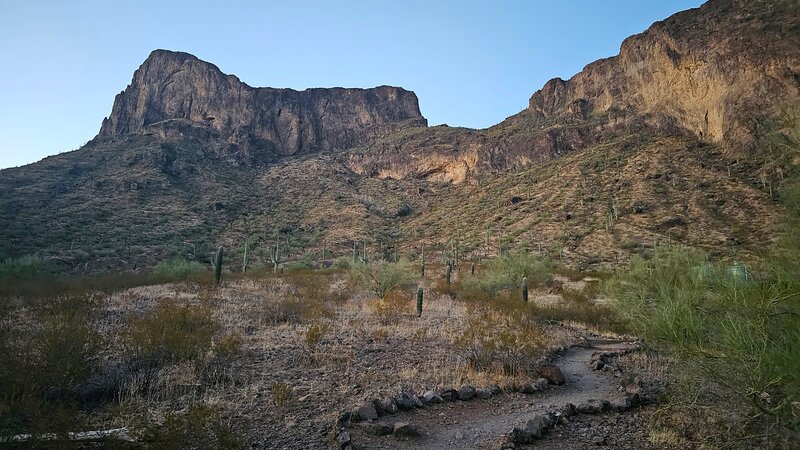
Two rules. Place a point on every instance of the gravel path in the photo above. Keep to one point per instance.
(480, 423)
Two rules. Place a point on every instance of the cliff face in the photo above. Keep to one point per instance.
(707, 71)
(175, 94)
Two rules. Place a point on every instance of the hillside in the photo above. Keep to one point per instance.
(663, 142)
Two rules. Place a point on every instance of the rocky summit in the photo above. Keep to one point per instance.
(666, 141)
(176, 95)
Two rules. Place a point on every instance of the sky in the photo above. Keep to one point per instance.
(471, 63)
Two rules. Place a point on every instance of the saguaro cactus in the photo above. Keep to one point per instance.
(218, 266)
(525, 289)
(419, 301)
(244, 258)
(472, 271)
(447, 274)
(276, 257)
(422, 263)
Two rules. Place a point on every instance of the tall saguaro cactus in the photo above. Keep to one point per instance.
(245, 258)
(422, 263)
(419, 301)
(276, 257)
(218, 266)
(525, 289)
(448, 272)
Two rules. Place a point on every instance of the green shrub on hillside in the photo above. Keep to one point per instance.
(507, 271)
(176, 269)
(382, 277)
(26, 267)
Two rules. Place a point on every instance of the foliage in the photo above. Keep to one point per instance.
(200, 427)
(382, 277)
(742, 335)
(171, 332)
(25, 268)
(505, 273)
(176, 269)
(391, 308)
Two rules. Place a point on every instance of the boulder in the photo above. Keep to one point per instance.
(388, 405)
(404, 402)
(405, 429)
(466, 392)
(367, 412)
(450, 395)
(432, 397)
(553, 374)
(594, 406)
(376, 429)
(483, 393)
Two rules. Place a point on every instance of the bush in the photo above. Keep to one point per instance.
(740, 334)
(506, 273)
(381, 277)
(390, 309)
(26, 268)
(176, 269)
(171, 333)
(200, 427)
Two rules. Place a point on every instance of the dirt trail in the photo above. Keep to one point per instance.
(480, 423)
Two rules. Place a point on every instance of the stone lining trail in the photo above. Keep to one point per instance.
(482, 423)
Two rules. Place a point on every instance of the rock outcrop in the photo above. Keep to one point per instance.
(176, 95)
(707, 70)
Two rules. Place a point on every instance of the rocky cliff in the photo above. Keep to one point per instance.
(175, 94)
(708, 71)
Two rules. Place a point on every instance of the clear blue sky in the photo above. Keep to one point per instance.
(471, 63)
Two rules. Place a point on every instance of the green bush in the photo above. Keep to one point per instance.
(505, 273)
(26, 267)
(176, 269)
(382, 277)
(200, 427)
(743, 335)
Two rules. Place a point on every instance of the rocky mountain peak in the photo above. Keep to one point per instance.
(175, 94)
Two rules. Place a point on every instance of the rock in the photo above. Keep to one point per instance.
(417, 401)
(483, 393)
(367, 412)
(388, 405)
(594, 406)
(431, 397)
(621, 405)
(519, 436)
(405, 429)
(376, 402)
(635, 400)
(569, 410)
(466, 392)
(376, 429)
(494, 389)
(599, 440)
(344, 420)
(175, 94)
(598, 365)
(343, 439)
(537, 386)
(450, 395)
(540, 423)
(404, 402)
(552, 374)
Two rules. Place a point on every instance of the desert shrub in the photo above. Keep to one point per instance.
(200, 427)
(507, 271)
(313, 335)
(170, 333)
(47, 357)
(500, 336)
(382, 277)
(176, 269)
(342, 262)
(26, 267)
(741, 335)
(391, 308)
(281, 393)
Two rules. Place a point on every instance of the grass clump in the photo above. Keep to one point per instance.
(26, 268)
(201, 426)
